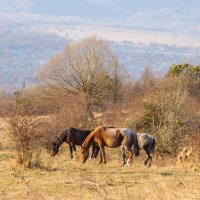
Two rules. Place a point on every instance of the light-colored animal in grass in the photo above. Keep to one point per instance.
(147, 142)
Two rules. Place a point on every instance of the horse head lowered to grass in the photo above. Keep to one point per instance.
(73, 137)
(113, 138)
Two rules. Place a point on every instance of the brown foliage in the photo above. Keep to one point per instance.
(27, 130)
(188, 159)
(163, 110)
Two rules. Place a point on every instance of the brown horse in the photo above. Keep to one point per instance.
(113, 138)
(73, 137)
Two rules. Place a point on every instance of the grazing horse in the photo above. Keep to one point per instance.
(73, 137)
(147, 142)
(113, 138)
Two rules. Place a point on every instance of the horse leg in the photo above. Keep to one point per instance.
(124, 155)
(74, 148)
(93, 155)
(151, 152)
(127, 146)
(96, 151)
(101, 160)
(147, 160)
(129, 149)
(150, 158)
(102, 149)
(150, 161)
(148, 154)
(130, 157)
(71, 151)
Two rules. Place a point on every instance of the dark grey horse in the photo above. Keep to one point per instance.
(147, 142)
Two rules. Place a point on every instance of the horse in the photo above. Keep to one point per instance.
(73, 137)
(147, 142)
(112, 138)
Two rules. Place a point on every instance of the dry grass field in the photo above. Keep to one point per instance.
(61, 178)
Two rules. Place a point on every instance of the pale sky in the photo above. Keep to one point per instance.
(94, 9)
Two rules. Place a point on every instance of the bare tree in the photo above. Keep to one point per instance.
(86, 67)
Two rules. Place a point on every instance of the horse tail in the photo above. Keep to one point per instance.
(90, 138)
(136, 145)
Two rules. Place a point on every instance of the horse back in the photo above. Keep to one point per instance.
(146, 140)
(110, 137)
(77, 136)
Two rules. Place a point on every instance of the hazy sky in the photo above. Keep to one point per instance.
(114, 9)
(96, 9)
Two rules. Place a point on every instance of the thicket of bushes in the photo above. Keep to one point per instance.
(167, 110)
(85, 86)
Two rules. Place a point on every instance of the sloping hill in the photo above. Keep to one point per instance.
(156, 39)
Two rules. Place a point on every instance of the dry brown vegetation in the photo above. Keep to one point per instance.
(29, 132)
(163, 111)
(83, 87)
(188, 159)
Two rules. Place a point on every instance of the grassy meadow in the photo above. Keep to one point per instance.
(61, 178)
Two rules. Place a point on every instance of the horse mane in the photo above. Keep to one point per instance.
(61, 138)
(90, 138)
(75, 129)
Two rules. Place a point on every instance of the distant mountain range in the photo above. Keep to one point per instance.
(185, 21)
(156, 39)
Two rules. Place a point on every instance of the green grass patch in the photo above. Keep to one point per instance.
(5, 156)
(166, 173)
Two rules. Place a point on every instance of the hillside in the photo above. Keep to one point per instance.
(150, 39)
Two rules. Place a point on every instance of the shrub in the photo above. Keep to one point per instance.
(164, 112)
(23, 126)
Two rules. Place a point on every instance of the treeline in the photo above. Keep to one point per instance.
(85, 86)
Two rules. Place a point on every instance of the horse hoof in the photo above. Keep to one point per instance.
(128, 164)
(145, 163)
(149, 165)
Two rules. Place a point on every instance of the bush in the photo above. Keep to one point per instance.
(27, 130)
(164, 112)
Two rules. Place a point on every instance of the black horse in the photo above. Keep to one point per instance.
(73, 137)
